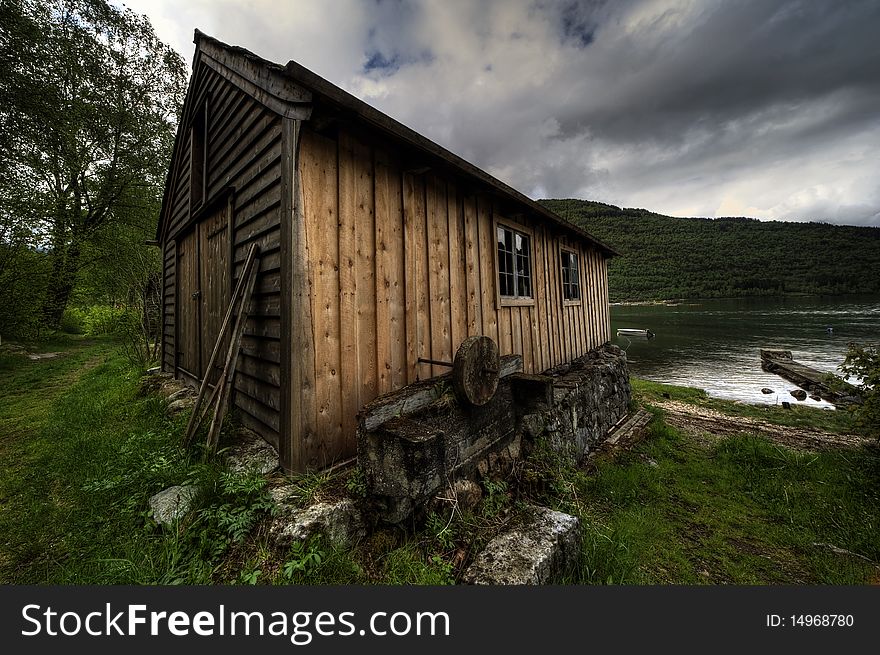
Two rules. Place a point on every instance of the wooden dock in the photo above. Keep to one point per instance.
(811, 380)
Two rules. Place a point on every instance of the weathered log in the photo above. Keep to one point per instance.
(475, 370)
(810, 379)
(419, 395)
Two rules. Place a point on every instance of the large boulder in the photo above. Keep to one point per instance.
(339, 521)
(250, 453)
(540, 551)
(173, 503)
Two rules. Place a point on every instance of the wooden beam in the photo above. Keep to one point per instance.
(419, 395)
(224, 384)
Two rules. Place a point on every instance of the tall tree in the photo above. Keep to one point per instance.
(90, 98)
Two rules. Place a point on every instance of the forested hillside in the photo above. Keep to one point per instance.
(665, 257)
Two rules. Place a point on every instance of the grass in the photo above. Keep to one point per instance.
(82, 450)
(740, 511)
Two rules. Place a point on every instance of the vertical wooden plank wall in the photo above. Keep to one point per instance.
(243, 152)
(401, 266)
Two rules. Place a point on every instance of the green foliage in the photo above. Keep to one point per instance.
(408, 565)
(23, 273)
(73, 321)
(90, 101)
(85, 454)
(104, 319)
(356, 483)
(496, 498)
(863, 362)
(303, 558)
(664, 257)
(240, 502)
(443, 529)
(250, 577)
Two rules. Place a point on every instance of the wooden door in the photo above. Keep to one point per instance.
(214, 271)
(204, 293)
(188, 305)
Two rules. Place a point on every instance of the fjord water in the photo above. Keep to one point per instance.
(715, 344)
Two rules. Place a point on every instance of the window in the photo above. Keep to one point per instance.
(571, 280)
(514, 264)
(198, 157)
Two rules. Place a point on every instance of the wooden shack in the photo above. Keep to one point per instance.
(379, 249)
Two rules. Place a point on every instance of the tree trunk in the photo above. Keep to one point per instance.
(65, 264)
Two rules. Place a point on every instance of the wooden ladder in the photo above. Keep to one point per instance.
(233, 325)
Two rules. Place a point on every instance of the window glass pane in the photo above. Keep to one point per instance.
(514, 264)
(570, 280)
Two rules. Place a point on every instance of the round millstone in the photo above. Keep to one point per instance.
(475, 370)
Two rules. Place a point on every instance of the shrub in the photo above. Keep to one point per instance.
(105, 319)
(73, 321)
(863, 362)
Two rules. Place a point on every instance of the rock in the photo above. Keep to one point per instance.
(182, 394)
(786, 404)
(466, 492)
(251, 454)
(541, 551)
(173, 503)
(36, 356)
(180, 400)
(766, 390)
(815, 396)
(181, 405)
(799, 394)
(339, 521)
(151, 383)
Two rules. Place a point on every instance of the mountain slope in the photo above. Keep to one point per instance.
(664, 257)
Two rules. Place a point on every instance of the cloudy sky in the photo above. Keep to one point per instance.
(763, 108)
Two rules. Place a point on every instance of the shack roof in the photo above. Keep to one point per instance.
(261, 73)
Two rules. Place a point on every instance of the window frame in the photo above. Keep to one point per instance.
(514, 301)
(569, 302)
(199, 136)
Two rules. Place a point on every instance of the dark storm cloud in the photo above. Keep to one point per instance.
(729, 62)
(766, 108)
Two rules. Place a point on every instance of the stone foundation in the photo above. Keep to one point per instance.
(419, 440)
(590, 395)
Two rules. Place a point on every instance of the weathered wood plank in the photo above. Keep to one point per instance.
(349, 236)
(266, 415)
(411, 249)
(486, 246)
(423, 279)
(438, 271)
(540, 294)
(365, 300)
(458, 298)
(319, 188)
(472, 275)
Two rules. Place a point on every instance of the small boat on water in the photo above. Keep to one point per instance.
(633, 332)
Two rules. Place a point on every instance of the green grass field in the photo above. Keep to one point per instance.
(82, 450)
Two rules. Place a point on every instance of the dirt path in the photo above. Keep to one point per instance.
(702, 421)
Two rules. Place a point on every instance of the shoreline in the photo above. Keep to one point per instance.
(674, 302)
